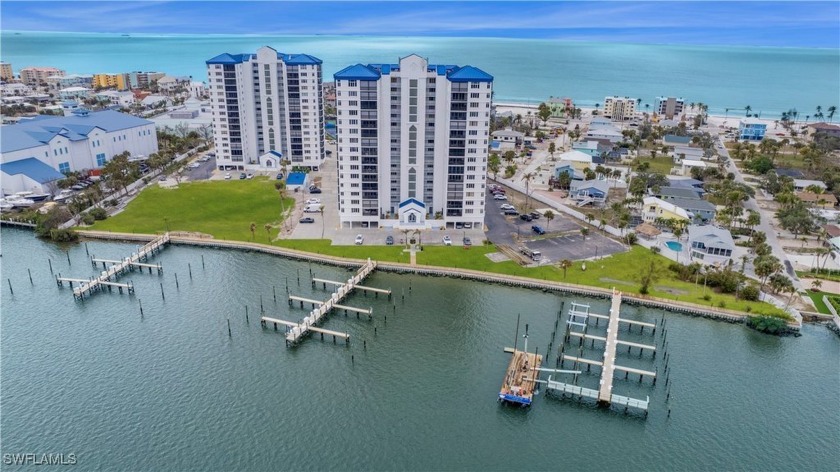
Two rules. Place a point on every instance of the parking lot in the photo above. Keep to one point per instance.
(563, 239)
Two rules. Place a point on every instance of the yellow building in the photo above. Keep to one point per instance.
(118, 81)
(6, 71)
(655, 208)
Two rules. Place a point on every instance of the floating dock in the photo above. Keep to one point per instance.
(107, 277)
(520, 378)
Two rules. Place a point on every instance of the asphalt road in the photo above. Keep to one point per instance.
(203, 171)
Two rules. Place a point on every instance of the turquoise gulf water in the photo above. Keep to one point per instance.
(770, 80)
(169, 390)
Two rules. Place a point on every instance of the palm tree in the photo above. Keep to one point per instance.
(565, 264)
(589, 218)
(748, 109)
(527, 178)
(323, 223)
(268, 231)
(253, 228)
(816, 284)
(691, 106)
(831, 110)
(549, 215)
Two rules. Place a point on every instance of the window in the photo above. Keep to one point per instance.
(100, 159)
(64, 167)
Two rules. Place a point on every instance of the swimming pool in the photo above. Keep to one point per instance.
(296, 178)
(674, 246)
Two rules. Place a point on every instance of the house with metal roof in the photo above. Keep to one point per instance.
(667, 193)
(710, 245)
(674, 140)
(699, 211)
(84, 140)
(585, 192)
(655, 209)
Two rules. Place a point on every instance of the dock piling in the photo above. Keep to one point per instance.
(30, 276)
(67, 253)
(228, 321)
(177, 285)
(189, 268)
(141, 306)
(10, 286)
(50, 262)
(161, 291)
(202, 261)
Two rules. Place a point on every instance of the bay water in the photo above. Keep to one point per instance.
(170, 390)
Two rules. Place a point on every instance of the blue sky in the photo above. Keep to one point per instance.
(762, 23)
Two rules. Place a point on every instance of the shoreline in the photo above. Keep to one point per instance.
(685, 308)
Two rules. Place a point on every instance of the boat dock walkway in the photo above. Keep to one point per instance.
(296, 331)
(579, 317)
(107, 277)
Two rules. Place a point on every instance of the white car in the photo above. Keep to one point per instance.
(250, 175)
(447, 240)
(359, 239)
(313, 201)
(507, 206)
(227, 176)
(499, 197)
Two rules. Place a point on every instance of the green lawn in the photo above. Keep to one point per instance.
(223, 208)
(619, 271)
(661, 163)
(818, 301)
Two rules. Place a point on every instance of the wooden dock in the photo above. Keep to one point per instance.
(296, 331)
(363, 288)
(605, 391)
(106, 279)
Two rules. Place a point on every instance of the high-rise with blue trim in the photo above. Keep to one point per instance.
(264, 104)
(412, 144)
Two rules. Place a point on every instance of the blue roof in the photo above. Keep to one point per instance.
(37, 132)
(291, 59)
(357, 72)
(412, 201)
(278, 154)
(32, 168)
(299, 59)
(470, 74)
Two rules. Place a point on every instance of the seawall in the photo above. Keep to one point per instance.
(690, 309)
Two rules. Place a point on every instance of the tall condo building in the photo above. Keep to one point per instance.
(6, 72)
(35, 76)
(267, 107)
(619, 109)
(412, 144)
(669, 107)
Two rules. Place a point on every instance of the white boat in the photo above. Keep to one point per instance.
(63, 195)
(4, 205)
(35, 197)
(19, 202)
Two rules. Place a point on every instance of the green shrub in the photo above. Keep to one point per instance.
(750, 292)
(707, 297)
(722, 304)
(655, 249)
(63, 235)
(767, 324)
(88, 219)
(98, 213)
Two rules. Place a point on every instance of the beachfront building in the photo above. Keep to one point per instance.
(752, 129)
(72, 93)
(569, 168)
(81, 141)
(585, 192)
(34, 76)
(117, 81)
(508, 138)
(560, 106)
(143, 80)
(412, 144)
(669, 107)
(619, 108)
(6, 73)
(826, 129)
(710, 245)
(124, 99)
(268, 101)
(58, 82)
(602, 128)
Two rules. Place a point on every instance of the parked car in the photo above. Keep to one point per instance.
(389, 240)
(499, 197)
(468, 225)
(538, 229)
(227, 176)
(507, 206)
(447, 240)
(459, 225)
(314, 190)
(313, 201)
(535, 215)
(526, 217)
(280, 176)
(312, 209)
(242, 176)
(162, 178)
(511, 211)
(467, 242)
(359, 239)
(250, 175)
(307, 220)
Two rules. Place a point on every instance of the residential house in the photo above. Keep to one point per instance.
(792, 173)
(674, 140)
(600, 128)
(681, 152)
(568, 168)
(593, 147)
(833, 231)
(699, 211)
(667, 193)
(153, 101)
(688, 164)
(752, 129)
(71, 93)
(124, 99)
(558, 106)
(580, 160)
(58, 82)
(710, 244)
(825, 128)
(801, 184)
(822, 200)
(656, 209)
(508, 138)
(589, 191)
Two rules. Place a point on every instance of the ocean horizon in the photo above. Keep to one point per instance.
(769, 79)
